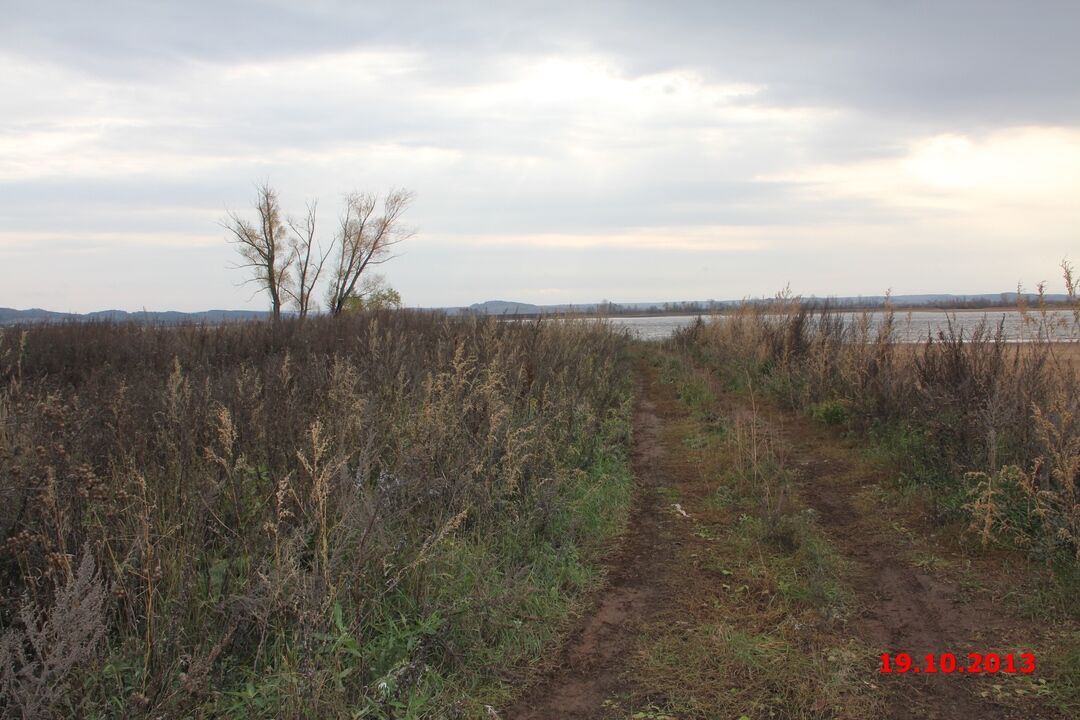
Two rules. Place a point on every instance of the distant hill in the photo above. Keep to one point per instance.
(505, 307)
(934, 300)
(10, 316)
(941, 299)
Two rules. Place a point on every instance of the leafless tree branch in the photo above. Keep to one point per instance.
(364, 239)
(308, 261)
(262, 245)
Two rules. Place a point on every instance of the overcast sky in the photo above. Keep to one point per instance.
(559, 151)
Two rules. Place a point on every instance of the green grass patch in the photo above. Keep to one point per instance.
(829, 412)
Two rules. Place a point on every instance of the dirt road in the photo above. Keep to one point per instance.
(699, 619)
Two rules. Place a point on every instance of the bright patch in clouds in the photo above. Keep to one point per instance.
(585, 85)
(1031, 166)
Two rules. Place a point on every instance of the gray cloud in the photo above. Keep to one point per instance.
(129, 120)
(983, 60)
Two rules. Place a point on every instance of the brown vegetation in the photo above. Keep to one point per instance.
(381, 513)
(992, 427)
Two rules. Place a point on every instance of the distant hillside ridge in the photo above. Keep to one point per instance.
(930, 300)
(11, 316)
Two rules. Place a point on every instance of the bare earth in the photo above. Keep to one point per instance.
(906, 604)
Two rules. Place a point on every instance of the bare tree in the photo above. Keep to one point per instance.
(364, 240)
(308, 261)
(262, 246)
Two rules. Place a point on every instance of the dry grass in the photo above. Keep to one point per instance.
(992, 427)
(304, 520)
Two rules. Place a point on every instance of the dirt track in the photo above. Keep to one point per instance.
(903, 608)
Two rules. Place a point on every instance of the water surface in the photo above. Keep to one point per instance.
(913, 326)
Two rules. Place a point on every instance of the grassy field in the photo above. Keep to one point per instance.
(385, 516)
(991, 429)
(404, 515)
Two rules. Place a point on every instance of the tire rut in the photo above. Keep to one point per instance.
(591, 665)
(905, 610)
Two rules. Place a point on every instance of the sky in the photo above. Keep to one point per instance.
(559, 151)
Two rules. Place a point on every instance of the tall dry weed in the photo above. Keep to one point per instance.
(275, 504)
(42, 655)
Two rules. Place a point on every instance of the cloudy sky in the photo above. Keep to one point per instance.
(559, 151)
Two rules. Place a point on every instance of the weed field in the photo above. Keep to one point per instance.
(375, 517)
(405, 515)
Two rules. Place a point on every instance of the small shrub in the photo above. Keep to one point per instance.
(830, 412)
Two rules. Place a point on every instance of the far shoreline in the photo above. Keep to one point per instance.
(704, 312)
